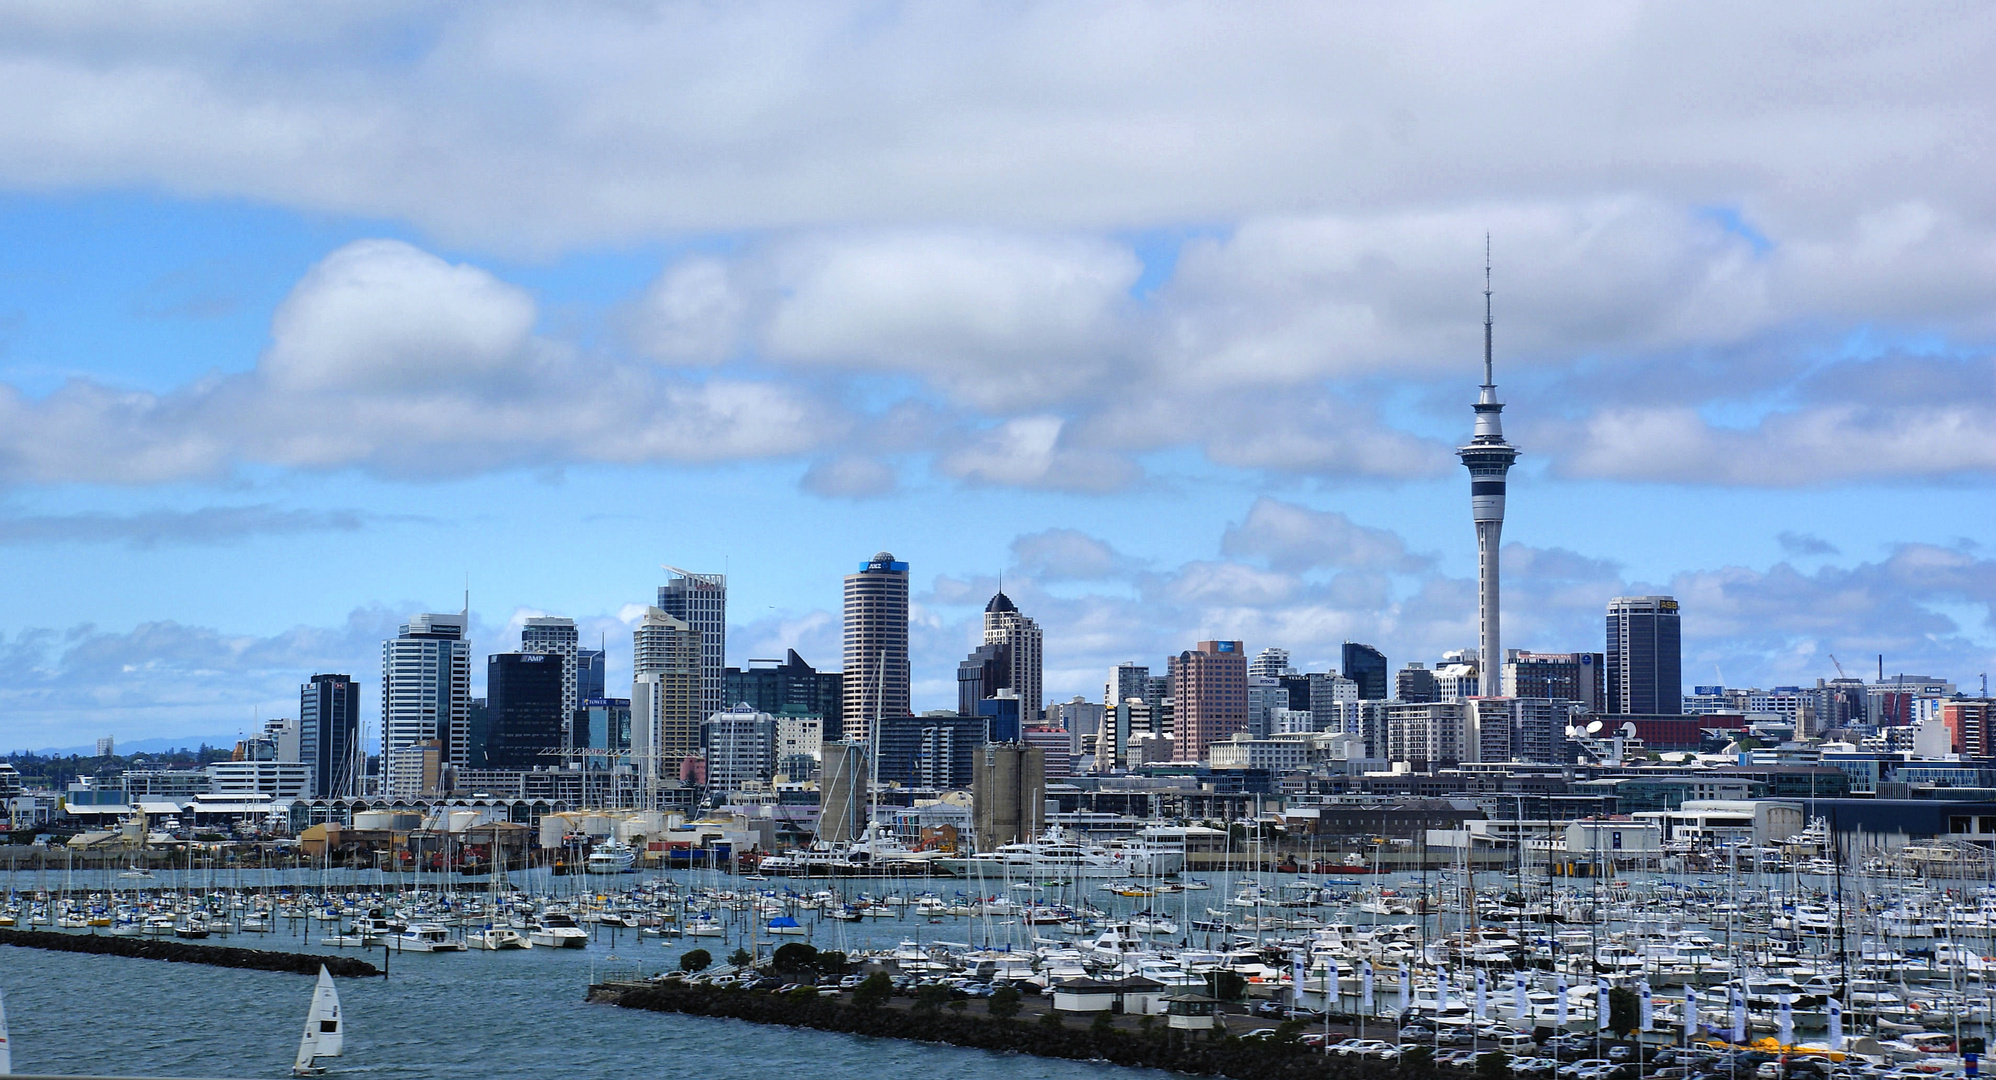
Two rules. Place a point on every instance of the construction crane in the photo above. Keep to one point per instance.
(1840, 668)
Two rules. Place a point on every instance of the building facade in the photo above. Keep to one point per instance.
(741, 750)
(1577, 677)
(701, 602)
(1365, 666)
(425, 698)
(329, 735)
(527, 720)
(1644, 656)
(790, 687)
(665, 697)
(1024, 646)
(876, 644)
(557, 637)
(1209, 691)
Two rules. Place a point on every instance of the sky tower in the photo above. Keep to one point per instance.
(1488, 457)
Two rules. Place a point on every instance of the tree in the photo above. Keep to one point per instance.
(696, 960)
(931, 997)
(830, 961)
(1288, 1031)
(1493, 1065)
(741, 958)
(872, 991)
(1226, 985)
(1004, 1003)
(1051, 1018)
(1418, 1058)
(1624, 1009)
(795, 956)
(1104, 1021)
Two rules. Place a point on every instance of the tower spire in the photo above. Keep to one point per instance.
(1489, 381)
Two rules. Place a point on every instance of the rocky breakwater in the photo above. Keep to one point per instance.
(181, 953)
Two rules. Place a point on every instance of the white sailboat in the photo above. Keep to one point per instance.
(6, 1048)
(325, 1034)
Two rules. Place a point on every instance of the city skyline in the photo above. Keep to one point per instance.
(269, 387)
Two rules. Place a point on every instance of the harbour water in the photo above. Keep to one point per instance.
(522, 1013)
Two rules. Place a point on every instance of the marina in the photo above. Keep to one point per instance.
(1902, 961)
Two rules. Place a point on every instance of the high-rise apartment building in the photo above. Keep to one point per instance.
(329, 735)
(741, 749)
(876, 644)
(1025, 646)
(665, 697)
(557, 637)
(1127, 681)
(1645, 658)
(789, 687)
(701, 602)
(524, 712)
(1270, 663)
(1209, 691)
(1366, 666)
(1416, 683)
(425, 697)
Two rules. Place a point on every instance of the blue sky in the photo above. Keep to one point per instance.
(1169, 315)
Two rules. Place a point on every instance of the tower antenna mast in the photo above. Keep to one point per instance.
(1488, 458)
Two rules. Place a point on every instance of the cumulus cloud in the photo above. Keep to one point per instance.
(1030, 451)
(849, 476)
(1068, 555)
(1293, 538)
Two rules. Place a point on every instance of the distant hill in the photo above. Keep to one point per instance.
(190, 743)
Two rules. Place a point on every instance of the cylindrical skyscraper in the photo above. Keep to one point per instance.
(1488, 458)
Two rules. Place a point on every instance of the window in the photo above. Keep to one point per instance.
(1957, 824)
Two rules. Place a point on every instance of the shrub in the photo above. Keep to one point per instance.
(1051, 1018)
(741, 958)
(1418, 1058)
(696, 960)
(873, 991)
(1004, 1003)
(1493, 1065)
(931, 997)
(1104, 1021)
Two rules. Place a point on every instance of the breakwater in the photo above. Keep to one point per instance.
(1077, 1040)
(179, 953)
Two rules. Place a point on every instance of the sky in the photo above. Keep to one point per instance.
(1168, 314)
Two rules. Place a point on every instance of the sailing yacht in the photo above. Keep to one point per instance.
(325, 1034)
(6, 1048)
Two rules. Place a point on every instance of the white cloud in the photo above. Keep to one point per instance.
(1030, 452)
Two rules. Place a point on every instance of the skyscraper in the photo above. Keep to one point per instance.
(1488, 458)
(1645, 658)
(1126, 681)
(1024, 644)
(665, 696)
(425, 696)
(1366, 666)
(523, 709)
(556, 637)
(589, 671)
(1209, 688)
(329, 735)
(701, 601)
(987, 670)
(789, 687)
(1270, 663)
(876, 644)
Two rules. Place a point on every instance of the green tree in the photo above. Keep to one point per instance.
(795, 956)
(1418, 1058)
(1624, 1009)
(1493, 1065)
(1104, 1021)
(696, 960)
(873, 991)
(931, 997)
(1288, 1031)
(1004, 1003)
(1051, 1018)
(831, 961)
(1226, 985)
(741, 958)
